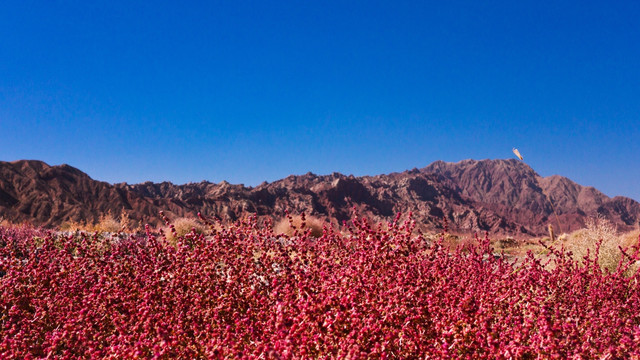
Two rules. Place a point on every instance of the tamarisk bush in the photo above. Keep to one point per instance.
(243, 291)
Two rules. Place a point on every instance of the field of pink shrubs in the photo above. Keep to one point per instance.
(369, 291)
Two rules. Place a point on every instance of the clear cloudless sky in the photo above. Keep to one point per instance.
(183, 91)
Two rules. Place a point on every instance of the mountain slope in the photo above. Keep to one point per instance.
(500, 196)
(514, 190)
(35, 192)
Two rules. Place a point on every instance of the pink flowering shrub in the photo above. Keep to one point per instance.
(242, 291)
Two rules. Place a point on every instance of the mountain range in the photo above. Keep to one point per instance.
(499, 196)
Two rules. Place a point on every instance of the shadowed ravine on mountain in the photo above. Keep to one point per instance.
(499, 196)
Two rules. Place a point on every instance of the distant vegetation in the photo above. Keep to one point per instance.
(209, 289)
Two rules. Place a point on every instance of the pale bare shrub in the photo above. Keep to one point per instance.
(629, 243)
(451, 241)
(506, 243)
(5, 223)
(629, 239)
(128, 224)
(289, 227)
(107, 224)
(72, 225)
(598, 230)
(183, 226)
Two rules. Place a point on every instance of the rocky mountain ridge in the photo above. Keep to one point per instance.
(499, 196)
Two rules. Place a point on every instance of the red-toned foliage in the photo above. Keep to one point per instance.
(243, 291)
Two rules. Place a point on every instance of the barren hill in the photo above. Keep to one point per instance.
(513, 190)
(504, 196)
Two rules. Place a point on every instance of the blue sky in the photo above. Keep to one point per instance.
(253, 91)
